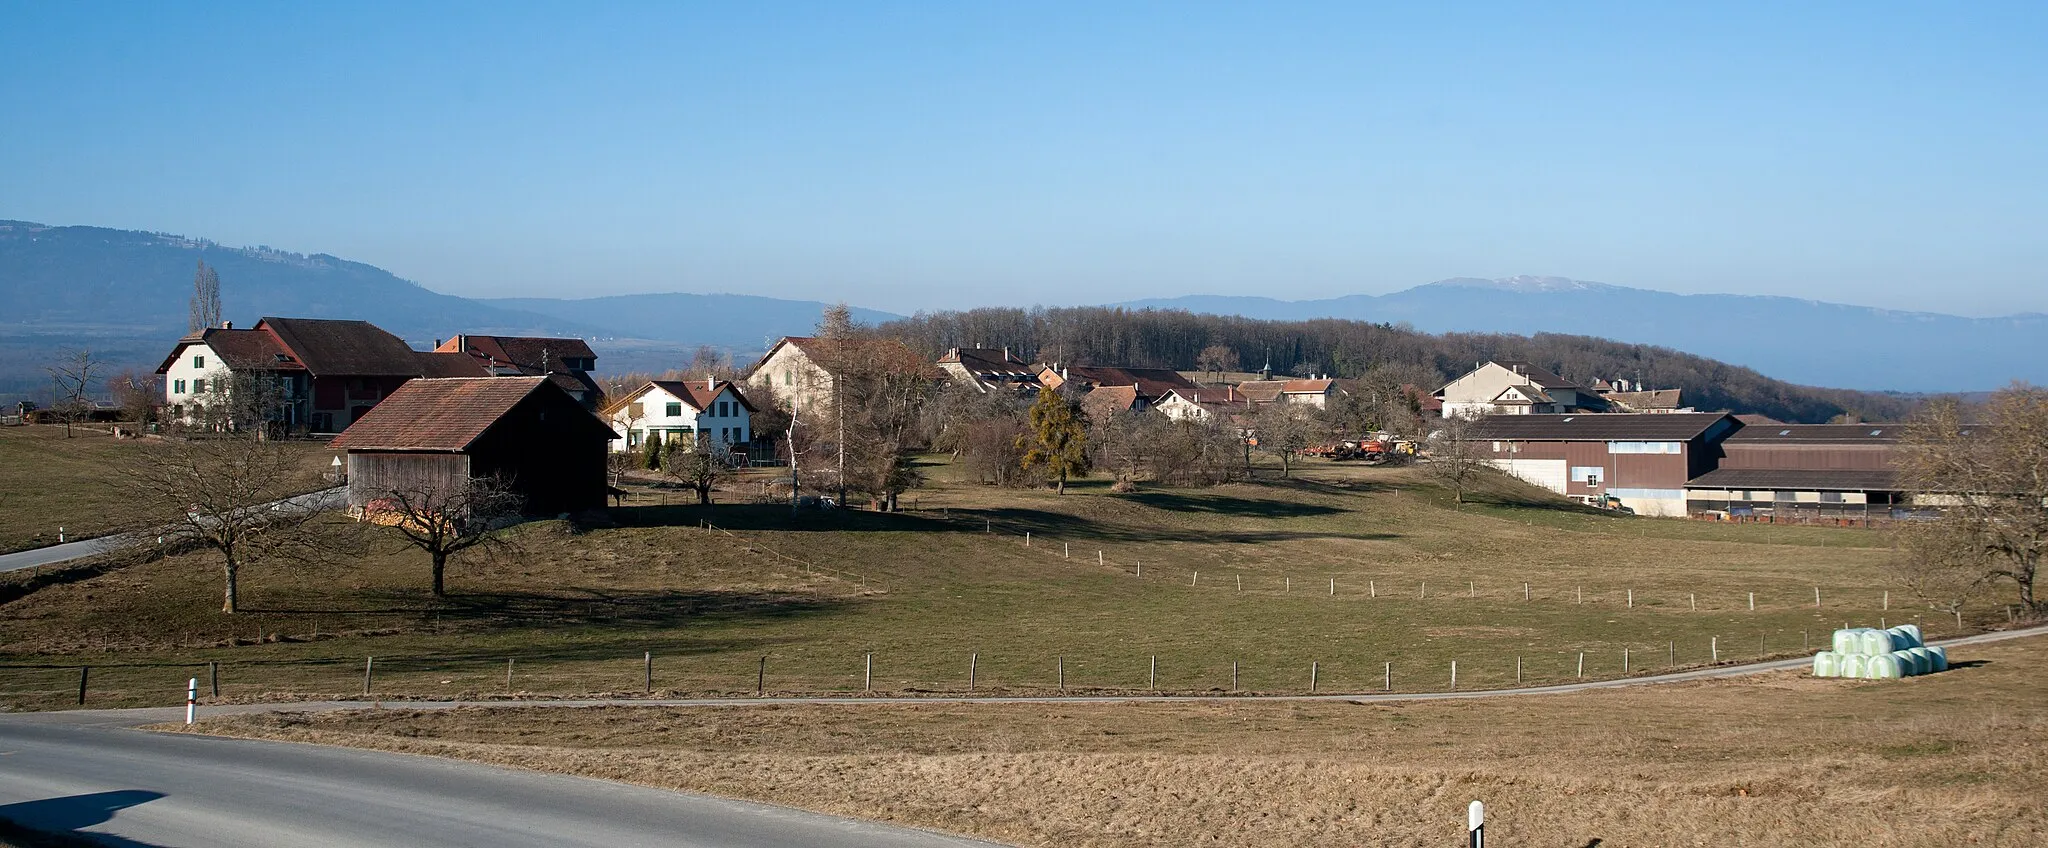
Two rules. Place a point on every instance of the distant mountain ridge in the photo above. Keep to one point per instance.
(1799, 340)
(124, 294)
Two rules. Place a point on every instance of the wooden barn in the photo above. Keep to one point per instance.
(436, 432)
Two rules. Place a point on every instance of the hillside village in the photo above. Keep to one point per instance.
(1606, 443)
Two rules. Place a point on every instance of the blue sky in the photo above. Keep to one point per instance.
(942, 155)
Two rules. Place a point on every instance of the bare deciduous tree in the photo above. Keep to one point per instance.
(1283, 430)
(231, 494)
(71, 382)
(1990, 479)
(205, 299)
(1455, 459)
(1216, 359)
(446, 520)
(698, 464)
(137, 394)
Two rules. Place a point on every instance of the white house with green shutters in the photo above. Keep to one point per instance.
(705, 412)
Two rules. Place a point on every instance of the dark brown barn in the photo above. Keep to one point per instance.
(1827, 472)
(438, 432)
(1643, 460)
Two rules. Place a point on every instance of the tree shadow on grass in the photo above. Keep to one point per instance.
(1057, 525)
(1229, 505)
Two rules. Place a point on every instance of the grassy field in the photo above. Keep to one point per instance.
(1959, 758)
(1418, 583)
(48, 481)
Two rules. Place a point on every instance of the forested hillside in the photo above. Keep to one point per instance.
(1176, 339)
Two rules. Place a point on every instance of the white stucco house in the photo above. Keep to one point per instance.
(708, 411)
(1515, 387)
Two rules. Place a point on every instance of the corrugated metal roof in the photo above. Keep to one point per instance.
(1599, 426)
(445, 414)
(1878, 434)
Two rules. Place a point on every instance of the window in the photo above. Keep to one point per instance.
(724, 408)
(789, 377)
(199, 363)
(1646, 447)
(1591, 475)
(1831, 497)
(675, 410)
(178, 386)
(198, 386)
(632, 438)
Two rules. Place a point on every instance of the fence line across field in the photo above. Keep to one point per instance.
(1579, 594)
(395, 677)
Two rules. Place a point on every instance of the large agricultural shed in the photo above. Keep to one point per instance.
(1825, 472)
(438, 433)
(1645, 461)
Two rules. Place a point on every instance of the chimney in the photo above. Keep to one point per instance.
(710, 384)
(227, 325)
(437, 344)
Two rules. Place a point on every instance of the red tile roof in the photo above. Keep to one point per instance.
(445, 414)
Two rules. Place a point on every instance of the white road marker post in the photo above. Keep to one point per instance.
(1475, 825)
(868, 679)
(1098, 558)
(1195, 579)
(1333, 587)
(1454, 675)
(1752, 602)
(1518, 671)
(191, 699)
(1714, 646)
(1388, 684)
(1314, 672)
(1525, 593)
(1582, 665)
(1631, 599)
(973, 660)
(1152, 678)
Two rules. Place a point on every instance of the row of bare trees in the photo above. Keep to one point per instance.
(1987, 471)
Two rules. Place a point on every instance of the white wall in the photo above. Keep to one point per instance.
(197, 362)
(735, 427)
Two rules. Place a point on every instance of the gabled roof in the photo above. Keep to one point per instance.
(1652, 399)
(890, 355)
(700, 394)
(987, 361)
(1534, 394)
(1103, 401)
(1537, 374)
(239, 350)
(438, 364)
(446, 414)
(1601, 426)
(1151, 382)
(525, 352)
(330, 348)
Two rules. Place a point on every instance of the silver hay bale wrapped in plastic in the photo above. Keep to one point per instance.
(1867, 653)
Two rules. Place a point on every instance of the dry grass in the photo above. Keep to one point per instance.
(1959, 758)
(923, 591)
(48, 481)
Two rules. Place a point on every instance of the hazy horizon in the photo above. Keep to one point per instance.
(907, 157)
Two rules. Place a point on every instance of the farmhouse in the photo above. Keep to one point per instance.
(798, 372)
(1203, 404)
(1515, 387)
(314, 373)
(1643, 461)
(708, 411)
(1314, 391)
(1826, 472)
(442, 432)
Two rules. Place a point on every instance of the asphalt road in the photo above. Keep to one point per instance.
(54, 554)
(62, 772)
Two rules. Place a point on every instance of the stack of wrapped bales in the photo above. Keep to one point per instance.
(1871, 654)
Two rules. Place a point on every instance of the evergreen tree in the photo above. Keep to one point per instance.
(652, 459)
(1058, 440)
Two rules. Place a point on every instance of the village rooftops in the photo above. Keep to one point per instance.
(1151, 382)
(699, 394)
(444, 414)
(1267, 391)
(988, 362)
(1596, 426)
(887, 355)
(1651, 399)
